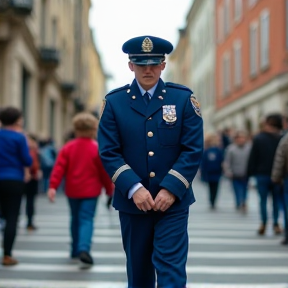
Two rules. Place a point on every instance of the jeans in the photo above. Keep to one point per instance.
(240, 190)
(82, 213)
(265, 186)
(285, 206)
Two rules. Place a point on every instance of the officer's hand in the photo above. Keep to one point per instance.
(143, 199)
(164, 200)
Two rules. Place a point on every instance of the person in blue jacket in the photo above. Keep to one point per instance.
(150, 142)
(211, 166)
(14, 157)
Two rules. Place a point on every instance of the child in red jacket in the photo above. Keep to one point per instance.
(78, 162)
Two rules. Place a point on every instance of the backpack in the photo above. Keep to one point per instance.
(46, 158)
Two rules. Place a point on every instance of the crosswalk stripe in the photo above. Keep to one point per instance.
(220, 270)
(192, 255)
(113, 240)
(117, 232)
(80, 284)
(224, 248)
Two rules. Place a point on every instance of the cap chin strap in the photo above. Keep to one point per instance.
(146, 54)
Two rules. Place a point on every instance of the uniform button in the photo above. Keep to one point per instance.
(151, 153)
(152, 174)
(150, 118)
(150, 134)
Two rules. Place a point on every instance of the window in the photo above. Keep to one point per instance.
(212, 87)
(227, 17)
(264, 39)
(238, 7)
(24, 95)
(54, 32)
(286, 8)
(226, 74)
(252, 3)
(237, 63)
(253, 49)
(52, 118)
(221, 23)
(43, 22)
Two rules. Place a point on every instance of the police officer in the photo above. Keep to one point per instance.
(150, 142)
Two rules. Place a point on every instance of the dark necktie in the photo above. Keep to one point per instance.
(146, 98)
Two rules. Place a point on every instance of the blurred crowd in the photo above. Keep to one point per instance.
(259, 160)
(30, 165)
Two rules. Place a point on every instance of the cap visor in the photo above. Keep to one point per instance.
(143, 62)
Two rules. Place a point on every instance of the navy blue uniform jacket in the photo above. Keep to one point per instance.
(137, 145)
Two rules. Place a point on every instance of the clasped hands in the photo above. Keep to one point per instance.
(144, 201)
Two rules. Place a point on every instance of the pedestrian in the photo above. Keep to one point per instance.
(32, 183)
(151, 141)
(211, 166)
(79, 163)
(280, 176)
(235, 167)
(260, 164)
(226, 137)
(47, 154)
(14, 157)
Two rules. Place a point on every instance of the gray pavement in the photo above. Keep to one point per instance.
(225, 250)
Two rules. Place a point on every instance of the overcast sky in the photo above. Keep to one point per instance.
(115, 21)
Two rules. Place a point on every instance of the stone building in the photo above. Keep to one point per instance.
(45, 52)
(193, 60)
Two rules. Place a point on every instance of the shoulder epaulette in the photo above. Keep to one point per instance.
(177, 86)
(118, 89)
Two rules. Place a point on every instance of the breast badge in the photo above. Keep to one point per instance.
(169, 114)
(195, 105)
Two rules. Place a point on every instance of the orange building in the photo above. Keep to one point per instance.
(251, 61)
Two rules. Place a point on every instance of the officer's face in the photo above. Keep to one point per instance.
(147, 75)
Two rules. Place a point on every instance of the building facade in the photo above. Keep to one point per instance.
(45, 49)
(201, 30)
(193, 60)
(252, 61)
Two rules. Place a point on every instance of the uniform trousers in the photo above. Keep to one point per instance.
(155, 243)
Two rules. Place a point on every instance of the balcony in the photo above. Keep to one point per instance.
(68, 87)
(50, 57)
(20, 7)
(79, 106)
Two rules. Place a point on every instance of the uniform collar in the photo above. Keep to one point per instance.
(150, 91)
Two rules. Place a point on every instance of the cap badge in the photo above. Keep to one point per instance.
(169, 114)
(147, 45)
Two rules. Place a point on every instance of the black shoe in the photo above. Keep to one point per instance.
(85, 260)
(284, 241)
(109, 203)
(277, 229)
